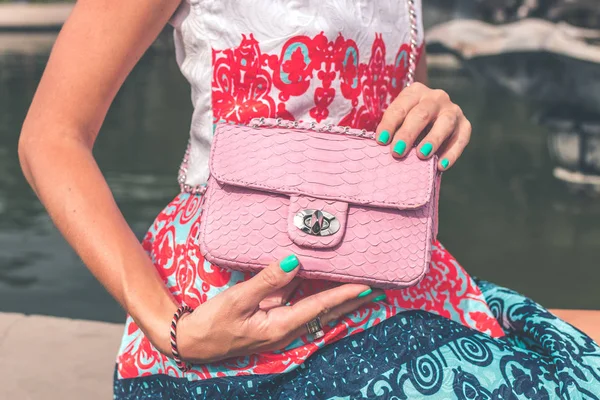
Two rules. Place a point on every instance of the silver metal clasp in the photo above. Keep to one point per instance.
(316, 222)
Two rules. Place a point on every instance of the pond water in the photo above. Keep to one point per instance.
(502, 213)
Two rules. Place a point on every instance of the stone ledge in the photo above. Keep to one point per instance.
(56, 358)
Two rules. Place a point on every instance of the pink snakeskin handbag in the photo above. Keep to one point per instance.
(331, 195)
(328, 194)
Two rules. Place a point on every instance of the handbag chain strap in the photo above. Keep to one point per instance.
(279, 122)
(311, 126)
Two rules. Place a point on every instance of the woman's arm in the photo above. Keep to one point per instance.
(98, 46)
(95, 51)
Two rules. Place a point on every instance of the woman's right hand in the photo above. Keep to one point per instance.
(232, 323)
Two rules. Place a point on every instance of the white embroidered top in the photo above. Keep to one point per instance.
(340, 62)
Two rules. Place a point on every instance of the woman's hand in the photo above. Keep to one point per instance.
(97, 47)
(232, 323)
(420, 112)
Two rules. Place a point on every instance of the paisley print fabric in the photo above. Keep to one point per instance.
(418, 355)
(172, 243)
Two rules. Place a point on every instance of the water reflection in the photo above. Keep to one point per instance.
(565, 100)
(503, 214)
(574, 144)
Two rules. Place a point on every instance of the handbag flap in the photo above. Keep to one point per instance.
(320, 164)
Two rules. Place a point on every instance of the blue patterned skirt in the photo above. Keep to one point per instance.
(416, 355)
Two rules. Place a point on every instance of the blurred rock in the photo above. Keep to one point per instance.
(581, 13)
(554, 64)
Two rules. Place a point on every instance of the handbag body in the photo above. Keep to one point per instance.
(331, 195)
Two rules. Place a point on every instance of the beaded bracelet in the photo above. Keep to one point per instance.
(181, 311)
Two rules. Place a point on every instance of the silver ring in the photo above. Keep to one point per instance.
(315, 328)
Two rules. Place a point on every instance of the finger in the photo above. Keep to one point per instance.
(272, 278)
(443, 127)
(343, 309)
(395, 114)
(281, 296)
(320, 303)
(415, 123)
(351, 305)
(455, 145)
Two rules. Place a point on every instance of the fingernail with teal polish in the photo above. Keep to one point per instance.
(384, 137)
(399, 147)
(426, 149)
(289, 263)
(380, 297)
(445, 163)
(365, 293)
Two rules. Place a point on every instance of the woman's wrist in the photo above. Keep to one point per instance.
(147, 299)
(183, 338)
(192, 340)
(197, 343)
(158, 327)
(181, 312)
(153, 315)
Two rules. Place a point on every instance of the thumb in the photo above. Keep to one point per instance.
(280, 296)
(269, 280)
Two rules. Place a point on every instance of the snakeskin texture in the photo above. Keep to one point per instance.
(320, 164)
(260, 177)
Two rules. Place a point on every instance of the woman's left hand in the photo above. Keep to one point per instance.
(419, 111)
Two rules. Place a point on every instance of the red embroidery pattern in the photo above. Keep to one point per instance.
(248, 83)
